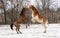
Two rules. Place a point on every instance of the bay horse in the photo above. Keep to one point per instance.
(20, 19)
(36, 17)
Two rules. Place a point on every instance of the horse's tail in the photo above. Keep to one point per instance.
(11, 26)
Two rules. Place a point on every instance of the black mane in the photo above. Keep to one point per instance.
(22, 12)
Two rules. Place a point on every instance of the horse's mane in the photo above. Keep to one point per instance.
(22, 12)
(36, 12)
(34, 9)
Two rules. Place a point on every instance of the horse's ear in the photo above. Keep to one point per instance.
(31, 6)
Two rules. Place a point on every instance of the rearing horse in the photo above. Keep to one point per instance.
(21, 19)
(36, 17)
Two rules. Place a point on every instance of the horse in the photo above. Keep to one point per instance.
(37, 17)
(20, 19)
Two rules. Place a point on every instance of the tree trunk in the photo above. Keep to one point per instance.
(4, 11)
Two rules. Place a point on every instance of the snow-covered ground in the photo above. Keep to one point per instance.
(33, 31)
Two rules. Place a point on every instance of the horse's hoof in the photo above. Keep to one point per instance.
(26, 27)
(44, 31)
(20, 32)
(17, 33)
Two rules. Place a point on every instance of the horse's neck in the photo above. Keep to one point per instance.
(35, 13)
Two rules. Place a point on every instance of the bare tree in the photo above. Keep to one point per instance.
(4, 11)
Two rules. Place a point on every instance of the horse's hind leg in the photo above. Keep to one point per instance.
(45, 26)
(18, 29)
(45, 22)
(26, 26)
(44, 29)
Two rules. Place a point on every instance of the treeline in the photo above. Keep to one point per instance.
(10, 10)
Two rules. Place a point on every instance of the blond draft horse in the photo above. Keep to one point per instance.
(36, 17)
(21, 19)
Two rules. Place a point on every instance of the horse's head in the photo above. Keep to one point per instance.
(32, 7)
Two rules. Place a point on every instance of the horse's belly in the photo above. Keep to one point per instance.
(36, 19)
(39, 20)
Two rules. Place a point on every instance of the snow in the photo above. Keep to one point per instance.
(33, 31)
